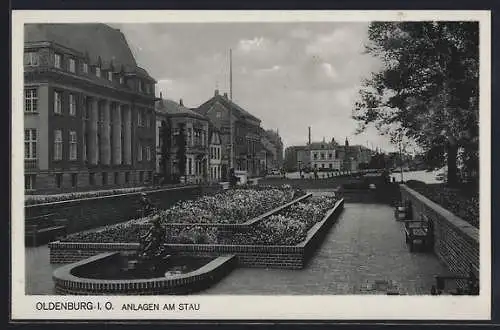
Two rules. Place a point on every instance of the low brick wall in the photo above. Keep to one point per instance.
(266, 256)
(456, 242)
(88, 213)
(67, 283)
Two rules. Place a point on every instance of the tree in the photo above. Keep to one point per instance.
(166, 144)
(181, 149)
(427, 89)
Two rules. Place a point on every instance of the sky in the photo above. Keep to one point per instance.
(290, 75)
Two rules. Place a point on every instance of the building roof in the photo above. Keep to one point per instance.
(176, 109)
(224, 101)
(95, 40)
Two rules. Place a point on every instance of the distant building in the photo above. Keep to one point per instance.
(246, 132)
(327, 156)
(88, 110)
(197, 139)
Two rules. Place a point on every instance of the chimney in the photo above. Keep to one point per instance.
(181, 103)
(216, 92)
(225, 95)
(309, 135)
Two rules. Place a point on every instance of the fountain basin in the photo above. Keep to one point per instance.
(111, 273)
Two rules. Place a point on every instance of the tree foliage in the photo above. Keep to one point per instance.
(427, 89)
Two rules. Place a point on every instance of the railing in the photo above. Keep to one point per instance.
(31, 164)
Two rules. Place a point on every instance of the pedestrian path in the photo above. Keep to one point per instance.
(364, 253)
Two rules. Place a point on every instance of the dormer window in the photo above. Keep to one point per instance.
(72, 65)
(110, 76)
(57, 60)
(98, 71)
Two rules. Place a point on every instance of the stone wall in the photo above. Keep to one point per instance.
(88, 213)
(272, 256)
(456, 242)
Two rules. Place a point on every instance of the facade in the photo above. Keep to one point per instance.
(220, 111)
(215, 152)
(197, 139)
(325, 155)
(88, 111)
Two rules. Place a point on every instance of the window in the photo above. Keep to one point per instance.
(72, 105)
(85, 146)
(58, 144)
(148, 121)
(218, 114)
(31, 59)
(140, 85)
(59, 179)
(331, 165)
(322, 165)
(92, 179)
(29, 181)
(98, 71)
(74, 180)
(139, 119)
(127, 177)
(57, 60)
(190, 164)
(110, 76)
(139, 152)
(322, 156)
(58, 102)
(148, 153)
(315, 156)
(117, 178)
(141, 176)
(72, 145)
(30, 144)
(72, 65)
(31, 100)
(329, 156)
(122, 80)
(85, 67)
(104, 178)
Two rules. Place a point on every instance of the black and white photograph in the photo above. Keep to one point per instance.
(187, 166)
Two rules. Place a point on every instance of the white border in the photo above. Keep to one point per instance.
(256, 307)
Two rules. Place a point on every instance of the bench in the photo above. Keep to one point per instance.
(463, 284)
(41, 229)
(418, 231)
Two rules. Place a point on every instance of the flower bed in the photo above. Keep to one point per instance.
(233, 206)
(229, 207)
(290, 227)
(464, 203)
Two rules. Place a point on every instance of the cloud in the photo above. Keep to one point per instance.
(254, 44)
(290, 75)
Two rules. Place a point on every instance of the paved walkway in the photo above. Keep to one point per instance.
(364, 253)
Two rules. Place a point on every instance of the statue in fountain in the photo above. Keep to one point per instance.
(152, 253)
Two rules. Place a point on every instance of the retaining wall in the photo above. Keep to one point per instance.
(88, 213)
(267, 256)
(456, 242)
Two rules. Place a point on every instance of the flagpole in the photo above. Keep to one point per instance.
(231, 164)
